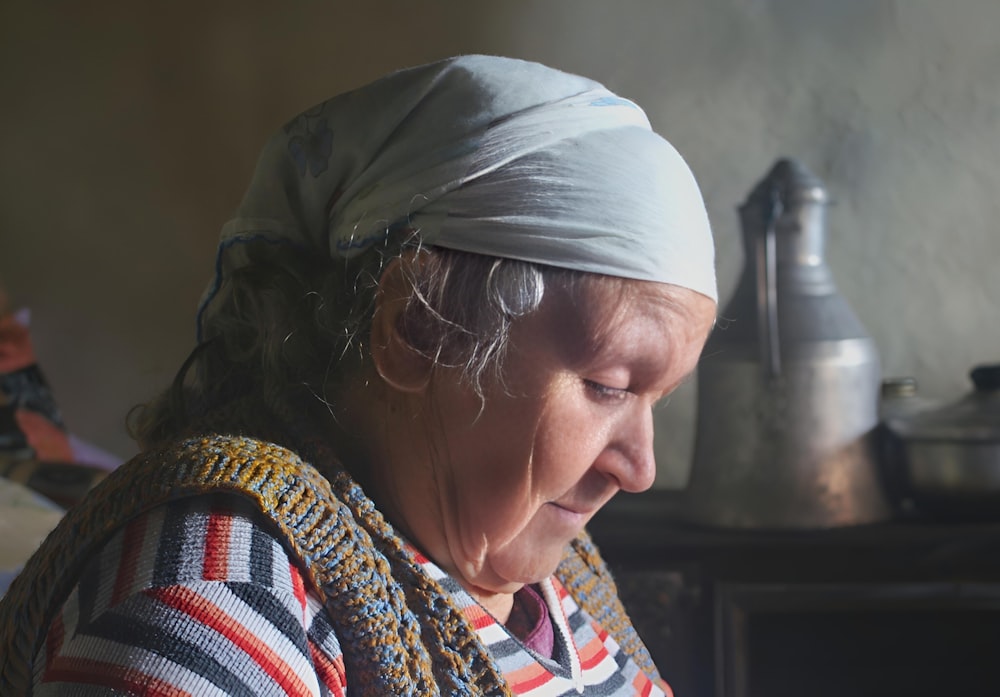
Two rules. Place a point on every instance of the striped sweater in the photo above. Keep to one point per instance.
(205, 594)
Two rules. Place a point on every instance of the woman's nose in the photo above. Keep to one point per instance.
(631, 460)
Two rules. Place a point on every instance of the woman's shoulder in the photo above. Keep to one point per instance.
(274, 480)
(154, 499)
(213, 536)
(194, 542)
(203, 566)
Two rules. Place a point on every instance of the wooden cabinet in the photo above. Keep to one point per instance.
(895, 609)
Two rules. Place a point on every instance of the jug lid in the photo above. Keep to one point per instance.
(791, 182)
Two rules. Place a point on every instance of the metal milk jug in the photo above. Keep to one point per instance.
(788, 383)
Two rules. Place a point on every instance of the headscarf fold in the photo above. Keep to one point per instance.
(480, 154)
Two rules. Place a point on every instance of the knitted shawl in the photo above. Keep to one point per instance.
(398, 630)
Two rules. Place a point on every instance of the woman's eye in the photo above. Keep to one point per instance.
(605, 391)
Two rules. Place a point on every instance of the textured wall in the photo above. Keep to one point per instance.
(127, 133)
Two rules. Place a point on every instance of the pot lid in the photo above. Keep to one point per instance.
(974, 417)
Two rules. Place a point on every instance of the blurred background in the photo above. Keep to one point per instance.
(128, 131)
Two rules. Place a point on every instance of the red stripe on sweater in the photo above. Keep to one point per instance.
(210, 615)
(216, 563)
(54, 639)
(129, 680)
(477, 616)
(330, 671)
(531, 677)
(132, 539)
(642, 685)
(594, 652)
(298, 585)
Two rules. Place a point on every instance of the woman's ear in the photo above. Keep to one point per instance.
(398, 363)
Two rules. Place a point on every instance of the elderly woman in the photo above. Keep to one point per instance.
(439, 323)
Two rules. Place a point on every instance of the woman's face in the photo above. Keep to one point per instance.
(494, 490)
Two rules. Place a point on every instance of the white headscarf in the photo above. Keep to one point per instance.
(480, 154)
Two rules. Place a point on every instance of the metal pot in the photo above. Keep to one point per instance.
(948, 458)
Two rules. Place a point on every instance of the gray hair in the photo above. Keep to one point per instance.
(294, 327)
(461, 309)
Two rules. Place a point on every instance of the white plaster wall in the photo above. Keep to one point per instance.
(128, 130)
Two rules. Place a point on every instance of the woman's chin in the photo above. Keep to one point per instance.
(515, 568)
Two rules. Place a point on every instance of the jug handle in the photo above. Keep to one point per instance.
(767, 288)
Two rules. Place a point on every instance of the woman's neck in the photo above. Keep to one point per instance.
(499, 605)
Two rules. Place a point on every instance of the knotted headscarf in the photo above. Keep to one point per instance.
(480, 154)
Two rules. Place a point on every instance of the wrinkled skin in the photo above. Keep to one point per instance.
(493, 490)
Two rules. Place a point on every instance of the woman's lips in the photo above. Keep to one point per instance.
(578, 510)
(579, 506)
(586, 507)
(574, 514)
